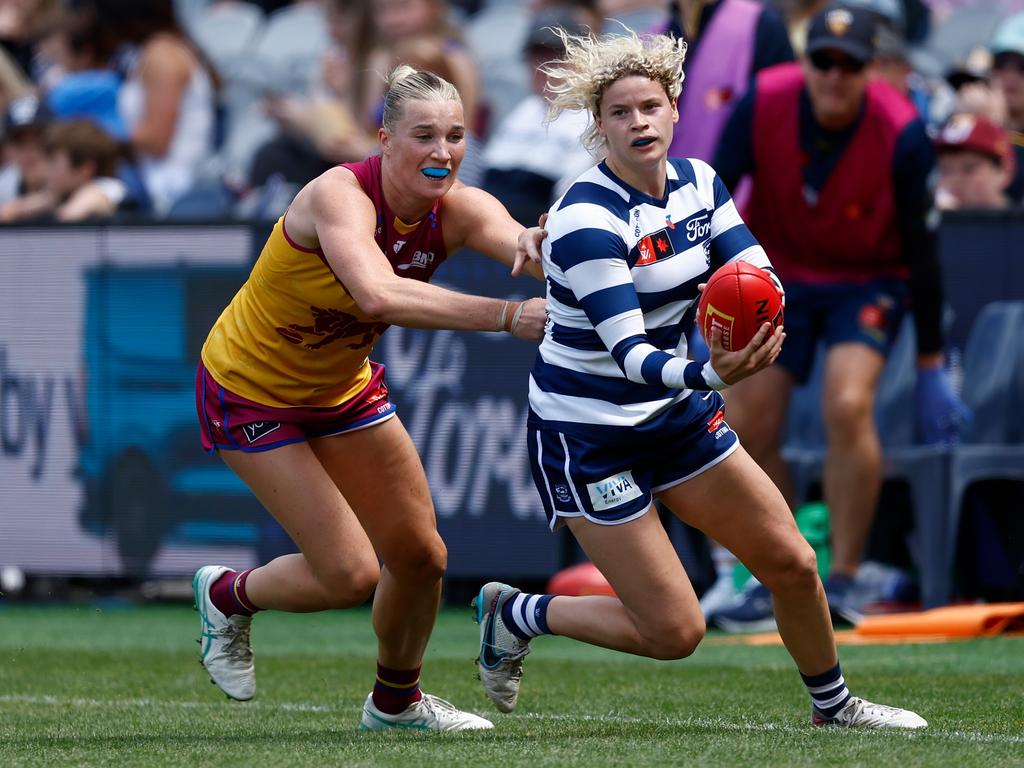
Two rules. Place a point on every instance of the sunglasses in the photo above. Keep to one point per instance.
(823, 61)
(1008, 61)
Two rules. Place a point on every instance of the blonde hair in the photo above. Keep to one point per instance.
(407, 84)
(591, 64)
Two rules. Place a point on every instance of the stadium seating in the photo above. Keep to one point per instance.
(993, 444)
(925, 469)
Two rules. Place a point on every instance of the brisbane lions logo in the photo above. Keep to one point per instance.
(329, 325)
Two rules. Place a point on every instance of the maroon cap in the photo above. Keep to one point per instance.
(978, 134)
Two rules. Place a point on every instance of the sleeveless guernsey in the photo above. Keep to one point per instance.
(292, 335)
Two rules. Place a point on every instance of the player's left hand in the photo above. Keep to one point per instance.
(940, 413)
(528, 246)
(761, 352)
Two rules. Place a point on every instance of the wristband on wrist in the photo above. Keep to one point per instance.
(515, 317)
(504, 314)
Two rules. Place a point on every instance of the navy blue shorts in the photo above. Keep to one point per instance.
(870, 313)
(609, 475)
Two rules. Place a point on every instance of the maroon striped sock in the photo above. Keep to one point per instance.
(396, 689)
(229, 596)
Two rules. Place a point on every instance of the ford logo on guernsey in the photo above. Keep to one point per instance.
(436, 173)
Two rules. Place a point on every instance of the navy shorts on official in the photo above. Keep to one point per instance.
(610, 474)
(870, 313)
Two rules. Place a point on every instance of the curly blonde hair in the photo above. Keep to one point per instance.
(591, 64)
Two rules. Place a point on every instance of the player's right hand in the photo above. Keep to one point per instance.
(532, 319)
(758, 354)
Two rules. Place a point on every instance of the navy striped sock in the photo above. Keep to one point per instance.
(526, 615)
(828, 691)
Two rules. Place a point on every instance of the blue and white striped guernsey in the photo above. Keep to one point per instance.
(622, 271)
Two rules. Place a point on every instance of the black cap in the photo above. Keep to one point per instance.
(542, 29)
(26, 112)
(842, 28)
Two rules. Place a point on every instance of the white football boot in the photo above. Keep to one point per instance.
(226, 653)
(428, 714)
(500, 663)
(863, 714)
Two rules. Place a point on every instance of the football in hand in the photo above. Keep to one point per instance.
(738, 299)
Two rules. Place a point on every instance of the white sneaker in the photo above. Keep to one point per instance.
(428, 714)
(863, 714)
(719, 596)
(500, 663)
(226, 652)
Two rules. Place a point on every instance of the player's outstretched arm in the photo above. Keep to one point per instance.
(481, 222)
(344, 220)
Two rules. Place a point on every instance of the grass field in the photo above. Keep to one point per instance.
(88, 686)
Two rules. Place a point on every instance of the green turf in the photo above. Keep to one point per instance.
(119, 687)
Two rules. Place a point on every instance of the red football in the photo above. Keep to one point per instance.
(739, 298)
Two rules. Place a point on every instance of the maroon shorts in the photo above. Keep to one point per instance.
(232, 422)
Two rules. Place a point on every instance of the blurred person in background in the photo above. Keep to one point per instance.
(753, 34)
(22, 23)
(85, 83)
(13, 82)
(976, 164)
(388, 32)
(840, 164)
(527, 154)
(319, 129)
(81, 177)
(24, 148)
(168, 98)
(286, 393)
(1007, 48)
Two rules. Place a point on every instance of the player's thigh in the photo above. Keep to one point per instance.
(756, 407)
(852, 371)
(379, 472)
(738, 505)
(295, 488)
(642, 566)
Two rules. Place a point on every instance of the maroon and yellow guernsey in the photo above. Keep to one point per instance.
(292, 335)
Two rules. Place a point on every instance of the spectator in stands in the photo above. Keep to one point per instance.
(24, 169)
(389, 33)
(87, 85)
(754, 34)
(81, 183)
(168, 98)
(1008, 76)
(13, 82)
(840, 164)
(319, 129)
(21, 25)
(527, 154)
(976, 164)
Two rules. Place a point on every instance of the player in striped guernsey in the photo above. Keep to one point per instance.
(618, 413)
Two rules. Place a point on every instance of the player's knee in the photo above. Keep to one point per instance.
(795, 571)
(349, 584)
(849, 410)
(675, 642)
(421, 562)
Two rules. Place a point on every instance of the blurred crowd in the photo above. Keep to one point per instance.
(176, 109)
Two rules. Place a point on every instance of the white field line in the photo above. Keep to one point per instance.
(705, 723)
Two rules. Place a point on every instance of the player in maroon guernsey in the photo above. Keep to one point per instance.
(287, 395)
